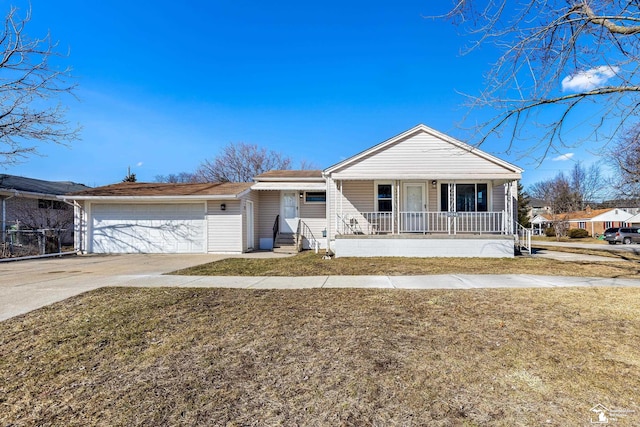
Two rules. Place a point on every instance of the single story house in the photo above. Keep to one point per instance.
(595, 221)
(420, 193)
(31, 204)
(539, 224)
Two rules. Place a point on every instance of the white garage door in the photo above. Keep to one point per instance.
(148, 228)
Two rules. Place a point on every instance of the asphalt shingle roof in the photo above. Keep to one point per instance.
(20, 183)
(164, 189)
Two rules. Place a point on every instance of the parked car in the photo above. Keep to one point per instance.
(626, 235)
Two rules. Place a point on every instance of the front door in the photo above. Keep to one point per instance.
(289, 212)
(413, 217)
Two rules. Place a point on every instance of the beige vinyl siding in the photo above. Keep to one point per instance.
(269, 202)
(497, 197)
(314, 216)
(433, 204)
(422, 156)
(224, 228)
(358, 197)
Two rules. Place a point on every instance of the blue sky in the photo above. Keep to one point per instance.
(164, 85)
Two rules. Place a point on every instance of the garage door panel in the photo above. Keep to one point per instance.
(154, 228)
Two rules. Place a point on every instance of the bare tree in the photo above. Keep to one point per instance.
(568, 193)
(28, 81)
(557, 56)
(240, 162)
(587, 183)
(179, 178)
(624, 157)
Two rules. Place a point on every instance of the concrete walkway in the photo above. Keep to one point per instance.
(633, 248)
(28, 285)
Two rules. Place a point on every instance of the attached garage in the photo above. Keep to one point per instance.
(148, 228)
(164, 218)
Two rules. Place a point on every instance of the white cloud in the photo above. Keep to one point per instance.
(589, 79)
(139, 164)
(563, 157)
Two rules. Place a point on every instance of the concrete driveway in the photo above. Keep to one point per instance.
(27, 285)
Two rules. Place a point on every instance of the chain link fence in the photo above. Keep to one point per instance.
(22, 243)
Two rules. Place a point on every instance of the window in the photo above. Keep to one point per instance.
(608, 224)
(469, 197)
(50, 204)
(582, 224)
(315, 197)
(384, 197)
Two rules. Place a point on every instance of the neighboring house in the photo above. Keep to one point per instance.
(420, 193)
(29, 203)
(539, 224)
(538, 207)
(595, 221)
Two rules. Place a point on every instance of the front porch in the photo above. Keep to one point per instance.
(448, 223)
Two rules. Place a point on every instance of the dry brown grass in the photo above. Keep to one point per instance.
(311, 264)
(126, 357)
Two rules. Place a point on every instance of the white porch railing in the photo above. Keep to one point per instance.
(422, 222)
(523, 238)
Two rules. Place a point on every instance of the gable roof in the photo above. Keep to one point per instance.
(423, 153)
(606, 214)
(584, 214)
(13, 183)
(143, 190)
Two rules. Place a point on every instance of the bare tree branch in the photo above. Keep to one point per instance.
(28, 82)
(240, 162)
(559, 59)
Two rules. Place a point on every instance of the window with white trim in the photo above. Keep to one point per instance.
(582, 224)
(384, 197)
(315, 197)
(469, 197)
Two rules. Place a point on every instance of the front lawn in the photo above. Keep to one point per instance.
(311, 264)
(339, 357)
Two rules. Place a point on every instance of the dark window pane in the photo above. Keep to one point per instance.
(444, 197)
(315, 197)
(483, 199)
(384, 191)
(465, 198)
(384, 206)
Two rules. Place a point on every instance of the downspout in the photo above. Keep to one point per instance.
(328, 219)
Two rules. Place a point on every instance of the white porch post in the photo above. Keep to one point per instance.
(451, 189)
(396, 208)
(510, 208)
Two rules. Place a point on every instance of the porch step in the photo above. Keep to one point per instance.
(285, 249)
(285, 244)
(285, 239)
